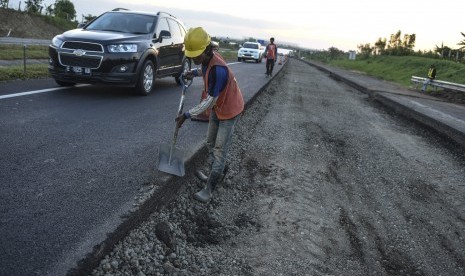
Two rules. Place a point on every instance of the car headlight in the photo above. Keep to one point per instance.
(122, 48)
(57, 42)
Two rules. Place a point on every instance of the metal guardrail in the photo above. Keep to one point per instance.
(25, 42)
(22, 41)
(439, 84)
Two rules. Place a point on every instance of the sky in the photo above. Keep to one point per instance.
(307, 24)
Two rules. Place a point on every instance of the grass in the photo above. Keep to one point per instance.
(12, 52)
(33, 71)
(16, 52)
(399, 69)
(228, 54)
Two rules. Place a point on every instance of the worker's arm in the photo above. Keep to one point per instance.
(205, 104)
(217, 82)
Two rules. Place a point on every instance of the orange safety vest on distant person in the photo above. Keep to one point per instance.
(271, 51)
(230, 102)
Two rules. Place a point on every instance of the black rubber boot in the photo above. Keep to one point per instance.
(205, 194)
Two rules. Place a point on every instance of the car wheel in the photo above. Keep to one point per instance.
(146, 78)
(65, 83)
(257, 61)
(186, 66)
(238, 59)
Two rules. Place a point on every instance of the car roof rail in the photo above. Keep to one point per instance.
(160, 12)
(119, 9)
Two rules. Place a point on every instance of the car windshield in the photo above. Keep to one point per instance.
(123, 22)
(250, 45)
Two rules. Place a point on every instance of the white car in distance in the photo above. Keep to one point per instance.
(251, 51)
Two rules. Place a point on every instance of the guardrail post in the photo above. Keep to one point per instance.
(24, 58)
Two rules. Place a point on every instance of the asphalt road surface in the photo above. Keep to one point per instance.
(74, 163)
(323, 181)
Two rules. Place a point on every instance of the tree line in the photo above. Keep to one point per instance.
(61, 9)
(403, 46)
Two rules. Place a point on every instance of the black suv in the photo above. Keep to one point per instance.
(120, 47)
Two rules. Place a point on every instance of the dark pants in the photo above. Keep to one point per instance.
(269, 66)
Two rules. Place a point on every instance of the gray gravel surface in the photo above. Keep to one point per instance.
(323, 181)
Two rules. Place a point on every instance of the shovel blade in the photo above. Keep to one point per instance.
(173, 165)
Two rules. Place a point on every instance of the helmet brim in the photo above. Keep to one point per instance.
(193, 54)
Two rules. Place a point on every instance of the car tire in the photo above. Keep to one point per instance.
(146, 78)
(65, 83)
(239, 59)
(186, 66)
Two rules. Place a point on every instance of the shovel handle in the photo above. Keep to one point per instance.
(185, 85)
(181, 104)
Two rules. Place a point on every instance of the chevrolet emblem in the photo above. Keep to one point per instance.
(79, 52)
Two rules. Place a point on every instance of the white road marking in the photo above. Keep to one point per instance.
(38, 91)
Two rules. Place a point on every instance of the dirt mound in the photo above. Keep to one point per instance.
(26, 25)
(449, 96)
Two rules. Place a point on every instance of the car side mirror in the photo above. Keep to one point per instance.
(81, 25)
(164, 35)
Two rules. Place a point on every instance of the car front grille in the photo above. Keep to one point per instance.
(86, 46)
(81, 54)
(86, 61)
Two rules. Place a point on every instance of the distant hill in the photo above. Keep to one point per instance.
(26, 25)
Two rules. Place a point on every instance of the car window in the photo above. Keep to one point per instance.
(162, 26)
(174, 27)
(116, 22)
(140, 24)
(250, 45)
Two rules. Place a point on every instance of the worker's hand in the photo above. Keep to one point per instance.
(189, 75)
(180, 120)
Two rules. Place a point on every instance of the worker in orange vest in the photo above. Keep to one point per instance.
(224, 99)
(271, 54)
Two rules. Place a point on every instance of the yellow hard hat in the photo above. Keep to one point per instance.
(196, 41)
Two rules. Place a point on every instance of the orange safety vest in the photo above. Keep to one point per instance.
(271, 51)
(230, 102)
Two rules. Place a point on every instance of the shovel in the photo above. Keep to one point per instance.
(171, 159)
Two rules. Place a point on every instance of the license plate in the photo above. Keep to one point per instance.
(77, 69)
(81, 70)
